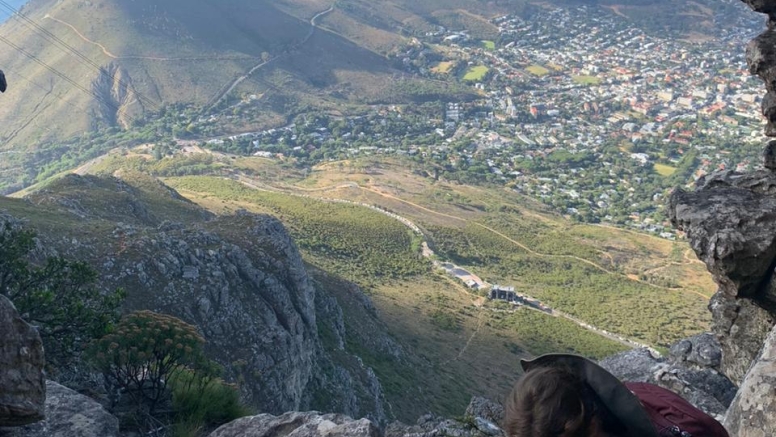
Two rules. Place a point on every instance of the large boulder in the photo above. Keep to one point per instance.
(684, 372)
(485, 409)
(69, 414)
(310, 424)
(22, 382)
(753, 411)
(742, 326)
(730, 220)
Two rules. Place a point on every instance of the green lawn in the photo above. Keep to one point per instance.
(665, 170)
(490, 45)
(476, 73)
(538, 70)
(443, 67)
(586, 80)
(555, 67)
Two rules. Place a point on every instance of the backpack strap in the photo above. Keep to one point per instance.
(672, 415)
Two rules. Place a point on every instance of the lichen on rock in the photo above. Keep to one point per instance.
(69, 414)
(295, 424)
(753, 413)
(22, 382)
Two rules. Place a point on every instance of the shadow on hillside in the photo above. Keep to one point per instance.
(253, 28)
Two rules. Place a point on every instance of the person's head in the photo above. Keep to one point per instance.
(554, 402)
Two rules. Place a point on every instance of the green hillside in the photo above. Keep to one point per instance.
(160, 53)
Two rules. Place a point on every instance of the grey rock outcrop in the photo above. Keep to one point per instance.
(685, 372)
(702, 350)
(68, 414)
(22, 379)
(482, 419)
(248, 291)
(730, 220)
(310, 424)
(240, 279)
(485, 409)
(742, 327)
(753, 413)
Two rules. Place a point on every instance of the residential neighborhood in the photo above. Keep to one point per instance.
(575, 108)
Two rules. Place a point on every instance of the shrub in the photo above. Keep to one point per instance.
(201, 401)
(59, 297)
(158, 360)
(144, 353)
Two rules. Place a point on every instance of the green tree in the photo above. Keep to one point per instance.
(59, 296)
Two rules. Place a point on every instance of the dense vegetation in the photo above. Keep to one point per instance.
(355, 242)
(157, 361)
(609, 300)
(59, 297)
(542, 334)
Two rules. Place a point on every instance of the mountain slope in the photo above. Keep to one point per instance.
(293, 55)
(159, 53)
(240, 279)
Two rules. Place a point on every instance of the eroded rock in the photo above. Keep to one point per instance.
(753, 413)
(22, 382)
(486, 409)
(702, 386)
(702, 350)
(741, 327)
(69, 414)
(731, 224)
(730, 220)
(310, 424)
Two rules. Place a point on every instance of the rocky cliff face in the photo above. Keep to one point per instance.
(240, 279)
(22, 389)
(730, 220)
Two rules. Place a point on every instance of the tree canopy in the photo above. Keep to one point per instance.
(59, 296)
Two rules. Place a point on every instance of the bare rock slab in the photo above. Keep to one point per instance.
(310, 424)
(22, 381)
(753, 412)
(68, 414)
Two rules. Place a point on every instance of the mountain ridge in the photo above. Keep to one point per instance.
(252, 298)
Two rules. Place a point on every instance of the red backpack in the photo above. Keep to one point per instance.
(673, 416)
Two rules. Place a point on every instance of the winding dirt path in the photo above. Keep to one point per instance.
(251, 183)
(230, 87)
(531, 251)
(511, 240)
